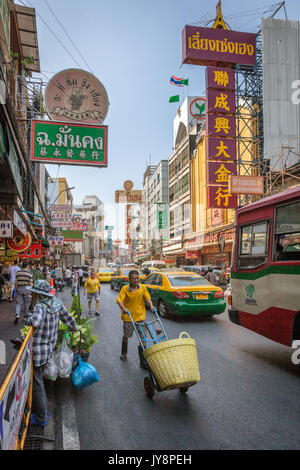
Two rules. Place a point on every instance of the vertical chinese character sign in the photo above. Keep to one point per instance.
(221, 133)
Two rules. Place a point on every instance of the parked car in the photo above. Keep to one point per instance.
(220, 275)
(183, 293)
(120, 278)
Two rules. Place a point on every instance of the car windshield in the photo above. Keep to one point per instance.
(177, 280)
(107, 270)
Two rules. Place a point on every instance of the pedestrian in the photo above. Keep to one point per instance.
(47, 312)
(45, 272)
(132, 297)
(53, 275)
(80, 274)
(92, 286)
(12, 278)
(37, 274)
(2, 282)
(211, 277)
(68, 276)
(24, 278)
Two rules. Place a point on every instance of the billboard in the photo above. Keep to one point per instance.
(212, 46)
(68, 144)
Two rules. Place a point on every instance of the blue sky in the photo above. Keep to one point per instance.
(133, 47)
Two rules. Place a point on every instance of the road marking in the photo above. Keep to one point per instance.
(70, 434)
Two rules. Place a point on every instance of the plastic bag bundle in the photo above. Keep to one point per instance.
(51, 369)
(64, 360)
(84, 375)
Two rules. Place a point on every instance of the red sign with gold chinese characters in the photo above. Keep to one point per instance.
(219, 101)
(223, 79)
(221, 149)
(219, 197)
(220, 125)
(219, 172)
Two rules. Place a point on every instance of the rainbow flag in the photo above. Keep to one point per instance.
(179, 81)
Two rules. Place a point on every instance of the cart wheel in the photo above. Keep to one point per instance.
(183, 389)
(162, 309)
(149, 387)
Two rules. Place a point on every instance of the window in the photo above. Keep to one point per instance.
(187, 280)
(287, 232)
(253, 245)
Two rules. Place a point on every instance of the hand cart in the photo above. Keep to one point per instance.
(157, 335)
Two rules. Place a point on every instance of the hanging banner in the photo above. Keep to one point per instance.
(220, 149)
(221, 78)
(219, 197)
(68, 144)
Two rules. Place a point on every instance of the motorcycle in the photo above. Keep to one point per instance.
(60, 284)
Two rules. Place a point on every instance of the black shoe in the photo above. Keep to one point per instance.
(97, 313)
(123, 357)
(16, 320)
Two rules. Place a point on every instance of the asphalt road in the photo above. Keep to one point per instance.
(247, 398)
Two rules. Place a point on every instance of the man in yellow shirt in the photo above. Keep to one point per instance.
(92, 285)
(132, 298)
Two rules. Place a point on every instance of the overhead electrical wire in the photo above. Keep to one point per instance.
(52, 32)
(63, 28)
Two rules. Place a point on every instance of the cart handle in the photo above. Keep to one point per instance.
(184, 333)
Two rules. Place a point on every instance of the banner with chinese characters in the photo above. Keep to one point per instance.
(218, 101)
(219, 197)
(223, 79)
(220, 125)
(220, 149)
(69, 144)
(219, 172)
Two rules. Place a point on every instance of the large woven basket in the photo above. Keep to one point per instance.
(174, 362)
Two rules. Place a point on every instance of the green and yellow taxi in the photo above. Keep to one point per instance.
(182, 293)
(120, 278)
(104, 274)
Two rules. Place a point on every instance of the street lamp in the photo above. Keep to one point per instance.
(64, 190)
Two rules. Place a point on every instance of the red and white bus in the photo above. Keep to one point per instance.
(265, 276)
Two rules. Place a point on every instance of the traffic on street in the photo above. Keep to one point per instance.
(149, 228)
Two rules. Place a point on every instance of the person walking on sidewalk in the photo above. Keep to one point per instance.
(68, 277)
(47, 312)
(92, 285)
(12, 277)
(24, 278)
(132, 297)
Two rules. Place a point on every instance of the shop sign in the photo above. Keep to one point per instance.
(223, 79)
(162, 215)
(221, 149)
(135, 196)
(216, 217)
(6, 229)
(220, 198)
(14, 165)
(197, 108)
(221, 126)
(219, 101)
(246, 184)
(34, 251)
(19, 242)
(76, 95)
(12, 403)
(61, 207)
(72, 235)
(55, 240)
(18, 222)
(61, 215)
(191, 254)
(219, 172)
(69, 144)
(62, 224)
(210, 46)
(80, 226)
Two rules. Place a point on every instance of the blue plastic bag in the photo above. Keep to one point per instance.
(84, 375)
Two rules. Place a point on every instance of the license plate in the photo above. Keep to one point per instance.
(201, 296)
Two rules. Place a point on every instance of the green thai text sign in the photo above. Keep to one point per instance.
(162, 212)
(68, 143)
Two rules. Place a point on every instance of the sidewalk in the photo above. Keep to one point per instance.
(8, 331)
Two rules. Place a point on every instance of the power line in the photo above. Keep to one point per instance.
(52, 32)
(62, 26)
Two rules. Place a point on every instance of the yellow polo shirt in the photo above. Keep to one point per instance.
(93, 285)
(134, 301)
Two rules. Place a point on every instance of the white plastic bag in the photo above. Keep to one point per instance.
(64, 360)
(51, 369)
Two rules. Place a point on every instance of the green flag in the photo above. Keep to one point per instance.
(185, 81)
(174, 99)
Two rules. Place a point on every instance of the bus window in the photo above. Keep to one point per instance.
(253, 245)
(287, 232)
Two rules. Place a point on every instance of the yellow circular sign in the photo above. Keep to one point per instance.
(128, 185)
(19, 242)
